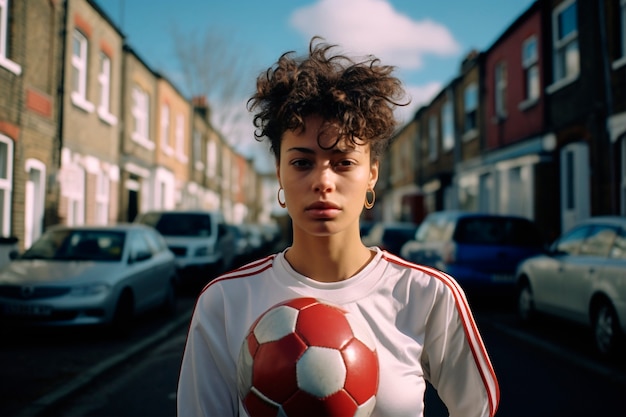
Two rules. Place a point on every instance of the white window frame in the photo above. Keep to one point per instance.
(530, 67)
(165, 130)
(500, 84)
(470, 105)
(5, 62)
(447, 126)
(433, 133)
(104, 80)
(34, 204)
(103, 187)
(560, 47)
(74, 191)
(197, 150)
(211, 159)
(179, 138)
(6, 187)
(141, 117)
(79, 70)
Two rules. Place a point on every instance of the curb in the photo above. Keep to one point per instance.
(51, 399)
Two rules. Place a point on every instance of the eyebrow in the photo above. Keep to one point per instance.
(310, 151)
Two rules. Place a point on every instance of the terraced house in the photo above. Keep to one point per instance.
(536, 124)
(90, 133)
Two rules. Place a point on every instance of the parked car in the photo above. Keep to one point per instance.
(481, 251)
(202, 242)
(89, 275)
(390, 236)
(582, 278)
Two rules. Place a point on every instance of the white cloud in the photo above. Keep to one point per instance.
(374, 27)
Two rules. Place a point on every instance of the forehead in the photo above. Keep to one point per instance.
(325, 135)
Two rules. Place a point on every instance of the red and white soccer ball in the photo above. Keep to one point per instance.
(304, 357)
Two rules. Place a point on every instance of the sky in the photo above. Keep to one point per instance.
(426, 40)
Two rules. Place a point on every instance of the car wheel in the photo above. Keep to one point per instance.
(123, 318)
(525, 303)
(605, 330)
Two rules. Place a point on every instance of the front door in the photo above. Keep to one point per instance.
(575, 193)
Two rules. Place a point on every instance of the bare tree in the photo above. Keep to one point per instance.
(212, 65)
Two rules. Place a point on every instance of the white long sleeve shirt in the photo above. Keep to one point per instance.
(421, 321)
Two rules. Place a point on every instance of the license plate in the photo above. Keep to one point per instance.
(503, 278)
(26, 310)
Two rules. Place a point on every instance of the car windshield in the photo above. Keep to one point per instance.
(179, 224)
(83, 245)
(497, 231)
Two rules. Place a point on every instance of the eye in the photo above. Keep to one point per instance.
(301, 163)
(345, 163)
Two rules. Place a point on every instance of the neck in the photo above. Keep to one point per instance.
(329, 258)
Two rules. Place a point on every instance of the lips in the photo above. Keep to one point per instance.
(322, 210)
(322, 205)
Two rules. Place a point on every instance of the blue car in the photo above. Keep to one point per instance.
(481, 251)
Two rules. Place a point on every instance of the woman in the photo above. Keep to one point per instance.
(328, 119)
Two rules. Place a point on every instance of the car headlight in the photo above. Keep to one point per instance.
(90, 289)
(203, 251)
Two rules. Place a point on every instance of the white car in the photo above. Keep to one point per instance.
(201, 240)
(88, 275)
(582, 278)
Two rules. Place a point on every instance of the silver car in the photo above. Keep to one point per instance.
(582, 278)
(88, 275)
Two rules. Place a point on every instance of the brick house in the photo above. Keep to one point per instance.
(137, 138)
(30, 73)
(172, 147)
(614, 13)
(89, 177)
(518, 155)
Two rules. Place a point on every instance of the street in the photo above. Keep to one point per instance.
(547, 370)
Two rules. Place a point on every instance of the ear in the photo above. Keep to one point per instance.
(278, 174)
(374, 166)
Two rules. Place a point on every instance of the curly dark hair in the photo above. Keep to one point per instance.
(357, 97)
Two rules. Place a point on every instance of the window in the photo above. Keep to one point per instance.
(6, 184)
(104, 81)
(141, 117)
(447, 125)
(599, 241)
(500, 90)
(565, 39)
(79, 71)
(530, 58)
(34, 201)
(4, 40)
(102, 198)
(197, 150)
(619, 247)
(471, 107)
(165, 130)
(211, 159)
(571, 242)
(433, 132)
(74, 191)
(179, 138)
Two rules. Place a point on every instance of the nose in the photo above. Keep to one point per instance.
(324, 180)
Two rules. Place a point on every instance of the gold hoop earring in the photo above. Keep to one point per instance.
(283, 203)
(370, 204)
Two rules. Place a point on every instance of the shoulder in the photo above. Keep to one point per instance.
(423, 276)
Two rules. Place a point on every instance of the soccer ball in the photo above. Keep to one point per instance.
(304, 357)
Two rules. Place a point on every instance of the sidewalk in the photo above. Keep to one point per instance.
(62, 392)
